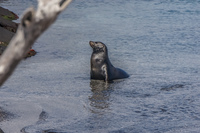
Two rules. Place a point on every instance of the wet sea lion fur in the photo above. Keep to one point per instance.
(101, 67)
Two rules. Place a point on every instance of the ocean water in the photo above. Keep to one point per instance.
(156, 42)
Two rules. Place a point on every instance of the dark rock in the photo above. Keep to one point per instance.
(9, 25)
(8, 30)
(1, 131)
(6, 14)
(5, 35)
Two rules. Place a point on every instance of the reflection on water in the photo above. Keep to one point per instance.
(100, 95)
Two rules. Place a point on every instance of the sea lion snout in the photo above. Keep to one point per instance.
(92, 44)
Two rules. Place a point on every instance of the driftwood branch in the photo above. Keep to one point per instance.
(32, 25)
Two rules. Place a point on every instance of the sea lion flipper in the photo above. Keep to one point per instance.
(105, 72)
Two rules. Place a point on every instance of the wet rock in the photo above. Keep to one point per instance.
(8, 24)
(8, 29)
(43, 116)
(6, 14)
(1, 131)
(32, 52)
(5, 35)
(53, 131)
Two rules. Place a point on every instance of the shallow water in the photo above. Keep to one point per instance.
(156, 42)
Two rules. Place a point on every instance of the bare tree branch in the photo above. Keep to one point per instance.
(33, 24)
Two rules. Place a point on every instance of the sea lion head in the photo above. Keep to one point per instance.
(98, 47)
(99, 55)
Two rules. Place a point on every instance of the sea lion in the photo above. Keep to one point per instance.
(101, 67)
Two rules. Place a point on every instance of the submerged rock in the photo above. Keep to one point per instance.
(1, 131)
(172, 87)
(4, 115)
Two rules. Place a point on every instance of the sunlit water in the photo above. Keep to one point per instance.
(157, 43)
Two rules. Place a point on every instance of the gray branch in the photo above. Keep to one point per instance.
(32, 25)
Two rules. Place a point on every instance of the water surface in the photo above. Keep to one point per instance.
(156, 42)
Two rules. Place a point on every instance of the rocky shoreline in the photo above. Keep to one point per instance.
(8, 29)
